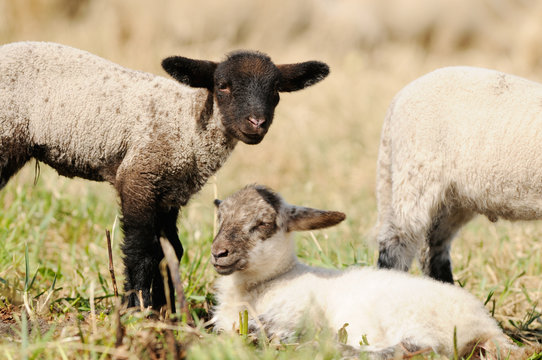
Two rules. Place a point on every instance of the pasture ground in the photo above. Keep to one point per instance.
(56, 294)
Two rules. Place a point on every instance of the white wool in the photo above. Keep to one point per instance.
(392, 310)
(386, 306)
(457, 142)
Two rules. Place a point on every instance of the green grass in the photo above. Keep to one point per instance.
(320, 151)
(54, 264)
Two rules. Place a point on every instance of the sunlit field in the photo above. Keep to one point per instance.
(56, 292)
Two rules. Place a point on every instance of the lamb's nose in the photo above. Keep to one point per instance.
(256, 121)
(221, 253)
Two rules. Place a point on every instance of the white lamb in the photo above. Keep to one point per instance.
(393, 312)
(155, 140)
(456, 142)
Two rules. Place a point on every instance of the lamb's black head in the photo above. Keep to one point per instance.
(246, 86)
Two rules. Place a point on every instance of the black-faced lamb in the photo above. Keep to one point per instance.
(456, 142)
(155, 140)
(392, 313)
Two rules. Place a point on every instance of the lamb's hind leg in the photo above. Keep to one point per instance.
(396, 249)
(404, 226)
(435, 255)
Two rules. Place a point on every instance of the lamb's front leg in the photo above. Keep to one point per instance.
(166, 225)
(142, 254)
(141, 247)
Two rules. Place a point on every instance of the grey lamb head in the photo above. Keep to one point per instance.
(256, 215)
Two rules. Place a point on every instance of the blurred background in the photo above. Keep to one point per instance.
(325, 139)
(321, 149)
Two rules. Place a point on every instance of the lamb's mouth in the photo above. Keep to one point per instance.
(226, 269)
(252, 138)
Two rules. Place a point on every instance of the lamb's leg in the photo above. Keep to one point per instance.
(404, 226)
(10, 163)
(141, 247)
(166, 226)
(142, 254)
(435, 255)
(15, 150)
(406, 349)
(395, 250)
(392, 352)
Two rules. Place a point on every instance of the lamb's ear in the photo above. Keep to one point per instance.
(217, 202)
(194, 73)
(298, 76)
(303, 218)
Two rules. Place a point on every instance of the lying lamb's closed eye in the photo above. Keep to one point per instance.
(456, 142)
(154, 139)
(395, 313)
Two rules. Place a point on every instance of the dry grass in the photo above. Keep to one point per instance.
(320, 151)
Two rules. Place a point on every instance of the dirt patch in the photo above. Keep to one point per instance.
(10, 326)
(7, 322)
(6, 315)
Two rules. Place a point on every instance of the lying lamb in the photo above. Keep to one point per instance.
(155, 140)
(391, 311)
(456, 142)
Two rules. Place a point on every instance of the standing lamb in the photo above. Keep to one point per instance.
(393, 312)
(456, 142)
(155, 140)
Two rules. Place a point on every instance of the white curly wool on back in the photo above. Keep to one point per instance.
(456, 142)
(388, 307)
(472, 129)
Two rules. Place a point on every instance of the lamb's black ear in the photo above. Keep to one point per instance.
(304, 218)
(194, 73)
(217, 202)
(298, 76)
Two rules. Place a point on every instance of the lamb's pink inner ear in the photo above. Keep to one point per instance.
(303, 218)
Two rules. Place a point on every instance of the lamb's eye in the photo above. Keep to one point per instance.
(262, 226)
(224, 88)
